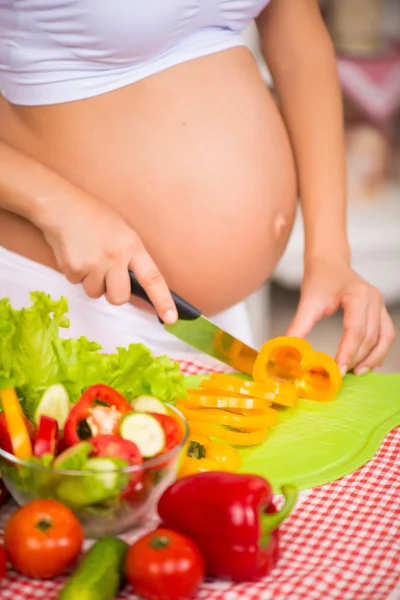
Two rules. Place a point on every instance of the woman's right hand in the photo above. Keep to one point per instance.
(94, 246)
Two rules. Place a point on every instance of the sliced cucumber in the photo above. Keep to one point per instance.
(108, 476)
(54, 403)
(149, 404)
(74, 458)
(145, 431)
(104, 484)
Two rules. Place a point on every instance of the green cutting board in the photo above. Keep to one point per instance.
(318, 442)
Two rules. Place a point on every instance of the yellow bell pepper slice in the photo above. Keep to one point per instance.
(17, 430)
(321, 379)
(237, 438)
(315, 374)
(267, 418)
(231, 401)
(282, 393)
(191, 466)
(205, 455)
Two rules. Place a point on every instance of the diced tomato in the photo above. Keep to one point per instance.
(116, 447)
(5, 441)
(173, 432)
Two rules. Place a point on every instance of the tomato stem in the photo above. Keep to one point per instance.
(158, 542)
(44, 525)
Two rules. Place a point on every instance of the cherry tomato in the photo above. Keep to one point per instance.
(3, 563)
(43, 539)
(172, 429)
(164, 565)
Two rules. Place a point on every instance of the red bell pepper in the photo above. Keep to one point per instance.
(47, 437)
(82, 410)
(231, 518)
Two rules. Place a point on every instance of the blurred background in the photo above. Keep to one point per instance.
(366, 34)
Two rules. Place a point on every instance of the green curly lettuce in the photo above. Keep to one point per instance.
(33, 356)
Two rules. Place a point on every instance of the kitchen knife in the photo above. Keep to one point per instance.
(197, 331)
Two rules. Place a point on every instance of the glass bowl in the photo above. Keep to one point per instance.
(95, 497)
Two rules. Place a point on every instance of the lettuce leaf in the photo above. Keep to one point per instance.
(27, 336)
(33, 356)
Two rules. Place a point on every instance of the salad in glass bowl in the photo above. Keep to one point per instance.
(96, 432)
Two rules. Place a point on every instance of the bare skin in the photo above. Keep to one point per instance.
(197, 190)
(194, 184)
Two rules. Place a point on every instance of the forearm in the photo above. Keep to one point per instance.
(27, 188)
(306, 81)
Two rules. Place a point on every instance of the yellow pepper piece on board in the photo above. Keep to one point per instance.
(230, 436)
(17, 430)
(267, 418)
(190, 466)
(229, 401)
(315, 374)
(203, 454)
(282, 393)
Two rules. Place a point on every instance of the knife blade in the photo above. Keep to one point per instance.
(197, 331)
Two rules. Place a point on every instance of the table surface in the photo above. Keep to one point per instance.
(342, 542)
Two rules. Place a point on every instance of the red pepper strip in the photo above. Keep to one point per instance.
(47, 437)
(81, 410)
(236, 527)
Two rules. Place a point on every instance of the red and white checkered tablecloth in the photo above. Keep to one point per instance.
(341, 543)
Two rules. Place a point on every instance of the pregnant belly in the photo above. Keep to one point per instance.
(196, 159)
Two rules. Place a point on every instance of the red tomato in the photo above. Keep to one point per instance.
(43, 539)
(3, 563)
(164, 565)
(172, 429)
(116, 447)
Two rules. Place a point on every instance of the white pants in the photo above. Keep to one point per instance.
(110, 326)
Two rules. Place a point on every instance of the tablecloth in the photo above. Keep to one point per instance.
(342, 542)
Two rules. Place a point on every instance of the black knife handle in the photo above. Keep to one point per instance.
(186, 311)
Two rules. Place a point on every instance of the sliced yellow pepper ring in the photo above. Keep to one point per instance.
(217, 399)
(216, 416)
(321, 379)
(280, 359)
(231, 436)
(315, 374)
(282, 393)
(17, 430)
(246, 411)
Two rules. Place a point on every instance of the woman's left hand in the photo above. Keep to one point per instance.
(331, 284)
